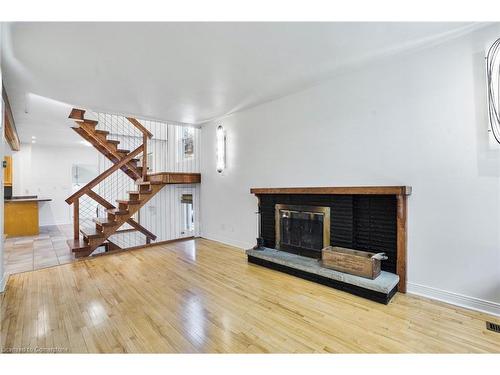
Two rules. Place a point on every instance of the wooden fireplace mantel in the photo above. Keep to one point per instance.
(401, 193)
(363, 190)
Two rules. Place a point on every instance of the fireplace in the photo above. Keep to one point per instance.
(364, 218)
(303, 230)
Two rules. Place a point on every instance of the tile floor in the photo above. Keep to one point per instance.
(28, 253)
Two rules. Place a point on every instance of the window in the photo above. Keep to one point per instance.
(187, 142)
(187, 213)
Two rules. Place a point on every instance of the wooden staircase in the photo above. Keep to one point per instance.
(122, 212)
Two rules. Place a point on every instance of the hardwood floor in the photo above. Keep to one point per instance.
(202, 296)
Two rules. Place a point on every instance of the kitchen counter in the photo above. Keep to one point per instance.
(26, 199)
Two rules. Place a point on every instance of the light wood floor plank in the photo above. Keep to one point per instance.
(202, 296)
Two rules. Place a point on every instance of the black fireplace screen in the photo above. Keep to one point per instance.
(302, 229)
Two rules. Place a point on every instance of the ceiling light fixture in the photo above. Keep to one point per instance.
(221, 149)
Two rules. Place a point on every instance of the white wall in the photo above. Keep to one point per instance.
(417, 119)
(45, 171)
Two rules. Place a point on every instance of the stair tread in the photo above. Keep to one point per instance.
(147, 183)
(123, 151)
(140, 192)
(117, 211)
(77, 245)
(114, 141)
(125, 201)
(104, 221)
(87, 121)
(104, 132)
(77, 113)
(91, 232)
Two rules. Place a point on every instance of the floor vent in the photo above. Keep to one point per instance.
(493, 327)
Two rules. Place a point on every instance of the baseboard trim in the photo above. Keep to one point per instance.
(242, 245)
(456, 299)
(145, 246)
(54, 224)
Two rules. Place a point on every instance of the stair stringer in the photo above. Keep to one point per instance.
(101, 144)
(107, 231)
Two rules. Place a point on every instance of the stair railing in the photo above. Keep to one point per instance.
(87, 189)
(145, 135)
(80, 199)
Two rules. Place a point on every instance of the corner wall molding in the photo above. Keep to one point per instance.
(456, 299)
(3, 282)
(10, 131)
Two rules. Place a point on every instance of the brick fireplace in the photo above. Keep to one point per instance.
(304, 220)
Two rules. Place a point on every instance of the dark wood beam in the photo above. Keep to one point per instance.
(402, 213)
(141, 229)
(372, 190)
(10, 125)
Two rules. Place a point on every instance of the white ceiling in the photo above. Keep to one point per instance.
(183, 72)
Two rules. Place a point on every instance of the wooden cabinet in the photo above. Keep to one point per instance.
(21, 218)
(7, 172)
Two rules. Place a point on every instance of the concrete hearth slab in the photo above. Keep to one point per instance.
(384, 283)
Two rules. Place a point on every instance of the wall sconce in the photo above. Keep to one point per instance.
(221, 149)
(493, 76)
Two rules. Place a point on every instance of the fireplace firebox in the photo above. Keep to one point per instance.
(303, 230)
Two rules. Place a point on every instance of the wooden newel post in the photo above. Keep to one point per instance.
(145, 157)
(76, 219)
(401, 241)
